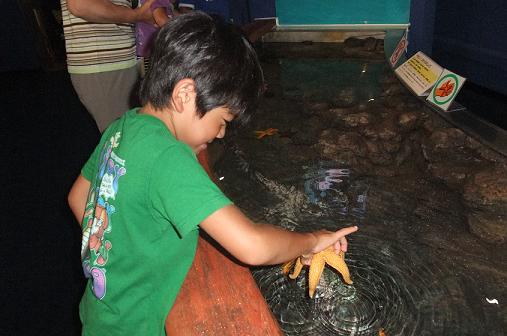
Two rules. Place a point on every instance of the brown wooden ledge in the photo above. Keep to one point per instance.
(219, 297)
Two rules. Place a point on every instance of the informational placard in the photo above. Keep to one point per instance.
(445, 89)
(419, 73)
(400, 49)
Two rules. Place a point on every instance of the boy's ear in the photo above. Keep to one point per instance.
(183, 95)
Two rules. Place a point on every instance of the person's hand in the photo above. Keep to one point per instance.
(325, 238)
(144, 14)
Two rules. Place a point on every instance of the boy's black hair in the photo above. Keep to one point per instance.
(215, 55)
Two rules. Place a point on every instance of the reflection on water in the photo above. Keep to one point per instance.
(331, 188)
(339, 161)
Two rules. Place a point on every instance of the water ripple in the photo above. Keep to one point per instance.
(392, 290)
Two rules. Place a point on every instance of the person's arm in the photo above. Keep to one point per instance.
(104, 11)
(160, 16)
(264, 244)
(77, 197)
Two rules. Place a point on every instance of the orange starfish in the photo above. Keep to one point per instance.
(319, 260)
(266, 132)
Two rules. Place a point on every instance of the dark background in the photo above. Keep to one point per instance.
(46, 136)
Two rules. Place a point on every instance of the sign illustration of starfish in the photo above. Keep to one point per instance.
(445, 89)
(319, 260)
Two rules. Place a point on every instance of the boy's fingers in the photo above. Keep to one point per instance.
(346, 231)
(306, 260)
(335, 239)
(341, 245)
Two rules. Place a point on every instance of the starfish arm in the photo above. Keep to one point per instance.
(316, 268)
(337, 261)
(287, 267)
(260, 134)
(297, 269)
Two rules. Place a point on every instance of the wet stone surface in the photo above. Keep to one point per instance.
(353, 147)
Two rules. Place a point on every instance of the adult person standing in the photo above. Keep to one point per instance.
(101, 53)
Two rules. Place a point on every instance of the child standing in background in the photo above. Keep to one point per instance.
(162, 11)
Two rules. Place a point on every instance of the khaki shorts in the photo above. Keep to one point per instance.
(107, 95)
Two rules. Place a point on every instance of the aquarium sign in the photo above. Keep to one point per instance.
(445, 89)
(419, 73)
(401, 48)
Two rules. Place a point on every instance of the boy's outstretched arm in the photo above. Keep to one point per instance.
(264, 244)
(77, 197)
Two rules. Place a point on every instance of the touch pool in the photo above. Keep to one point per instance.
(352, 146)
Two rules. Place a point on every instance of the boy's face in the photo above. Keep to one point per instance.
(198, 132)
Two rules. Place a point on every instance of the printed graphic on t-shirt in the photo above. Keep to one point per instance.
(97, 219)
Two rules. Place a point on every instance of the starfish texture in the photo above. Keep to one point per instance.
(267, 132)
(319, 260)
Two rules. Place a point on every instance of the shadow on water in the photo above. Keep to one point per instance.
(354, 147)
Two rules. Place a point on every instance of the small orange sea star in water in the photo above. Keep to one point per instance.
(266, 132)
(319, 260)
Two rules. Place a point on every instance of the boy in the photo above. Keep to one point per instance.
(144, 195)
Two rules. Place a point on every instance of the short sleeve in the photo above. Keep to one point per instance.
(181, 192)
(90, 168)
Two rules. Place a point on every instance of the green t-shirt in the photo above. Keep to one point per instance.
(148, 194)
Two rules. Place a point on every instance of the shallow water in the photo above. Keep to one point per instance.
(417, 268)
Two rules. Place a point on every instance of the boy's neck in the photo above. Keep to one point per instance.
(164, 114)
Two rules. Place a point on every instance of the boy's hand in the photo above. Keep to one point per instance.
(325, 238)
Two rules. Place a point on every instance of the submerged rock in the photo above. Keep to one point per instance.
(489, 227)
(393, 146)
(404, 153)
(486, 196)
(377, 155)
(488, 187)
(407, 121)
(447, 138)
(346, 97)
(388, 130)
(450, 173)
(357, 119)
